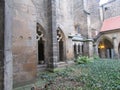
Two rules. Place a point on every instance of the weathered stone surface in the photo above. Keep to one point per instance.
(113, 37)
(95, 26)
(111, 9)
(51, 16)
(24, 42)
(65, 22)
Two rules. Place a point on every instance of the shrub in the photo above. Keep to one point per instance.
(96, 57)
(82, 59)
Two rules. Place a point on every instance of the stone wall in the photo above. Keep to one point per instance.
(42, 18)
(1, 44)
(95, 25)
(86, 14)
(65, 21)
(111, 9)
(24, 42)
(114, 37)
(80, 17)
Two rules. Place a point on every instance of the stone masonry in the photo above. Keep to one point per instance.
(24, 42)
(56, 21)
(111, 9)
(50, 16)
(108, 11)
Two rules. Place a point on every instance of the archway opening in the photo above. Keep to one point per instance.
(79, 49)
(41, 59)
(119, 49)
(75, 50)
(40, 44)
(61, 46)
(105, 49)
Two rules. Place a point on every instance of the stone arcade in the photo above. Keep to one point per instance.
(45, 34)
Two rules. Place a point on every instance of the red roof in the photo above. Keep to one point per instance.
(111, 24)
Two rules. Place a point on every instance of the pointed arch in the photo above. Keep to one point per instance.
(60, 31)
(102, 38)
(61, 44)
(40, 28)
(105, 48)
(41, 44)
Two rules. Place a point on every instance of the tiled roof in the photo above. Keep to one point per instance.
(111, 24)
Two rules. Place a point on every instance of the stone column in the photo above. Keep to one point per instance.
(53, 52)
(8, 60)
(90, 44)
(115, 47)
(77, 49)
(95, 49)
(90, 49)
(2, 44)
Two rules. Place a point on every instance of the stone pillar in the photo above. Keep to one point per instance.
(53, 52)
(90, 44)
(95, 49)
(86, 51)
(8, 60)
(115, 47)
(90, 49)
(2, 44)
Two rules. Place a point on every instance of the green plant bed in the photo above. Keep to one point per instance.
(83, 59)
(101, 75)
(98, 75)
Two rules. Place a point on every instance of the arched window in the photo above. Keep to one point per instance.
(61, 44)
(41, 44)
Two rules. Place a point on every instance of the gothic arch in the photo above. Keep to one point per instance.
(61, 44)
(105, 48)
(40, 27)
(102, 38)
(41, 44)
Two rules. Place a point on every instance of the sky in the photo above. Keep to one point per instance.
(102, 1)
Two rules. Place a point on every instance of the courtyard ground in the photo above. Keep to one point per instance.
(97, 75)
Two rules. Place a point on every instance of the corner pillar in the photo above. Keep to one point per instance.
(115, 47)
(53, 52)
(8, 60)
